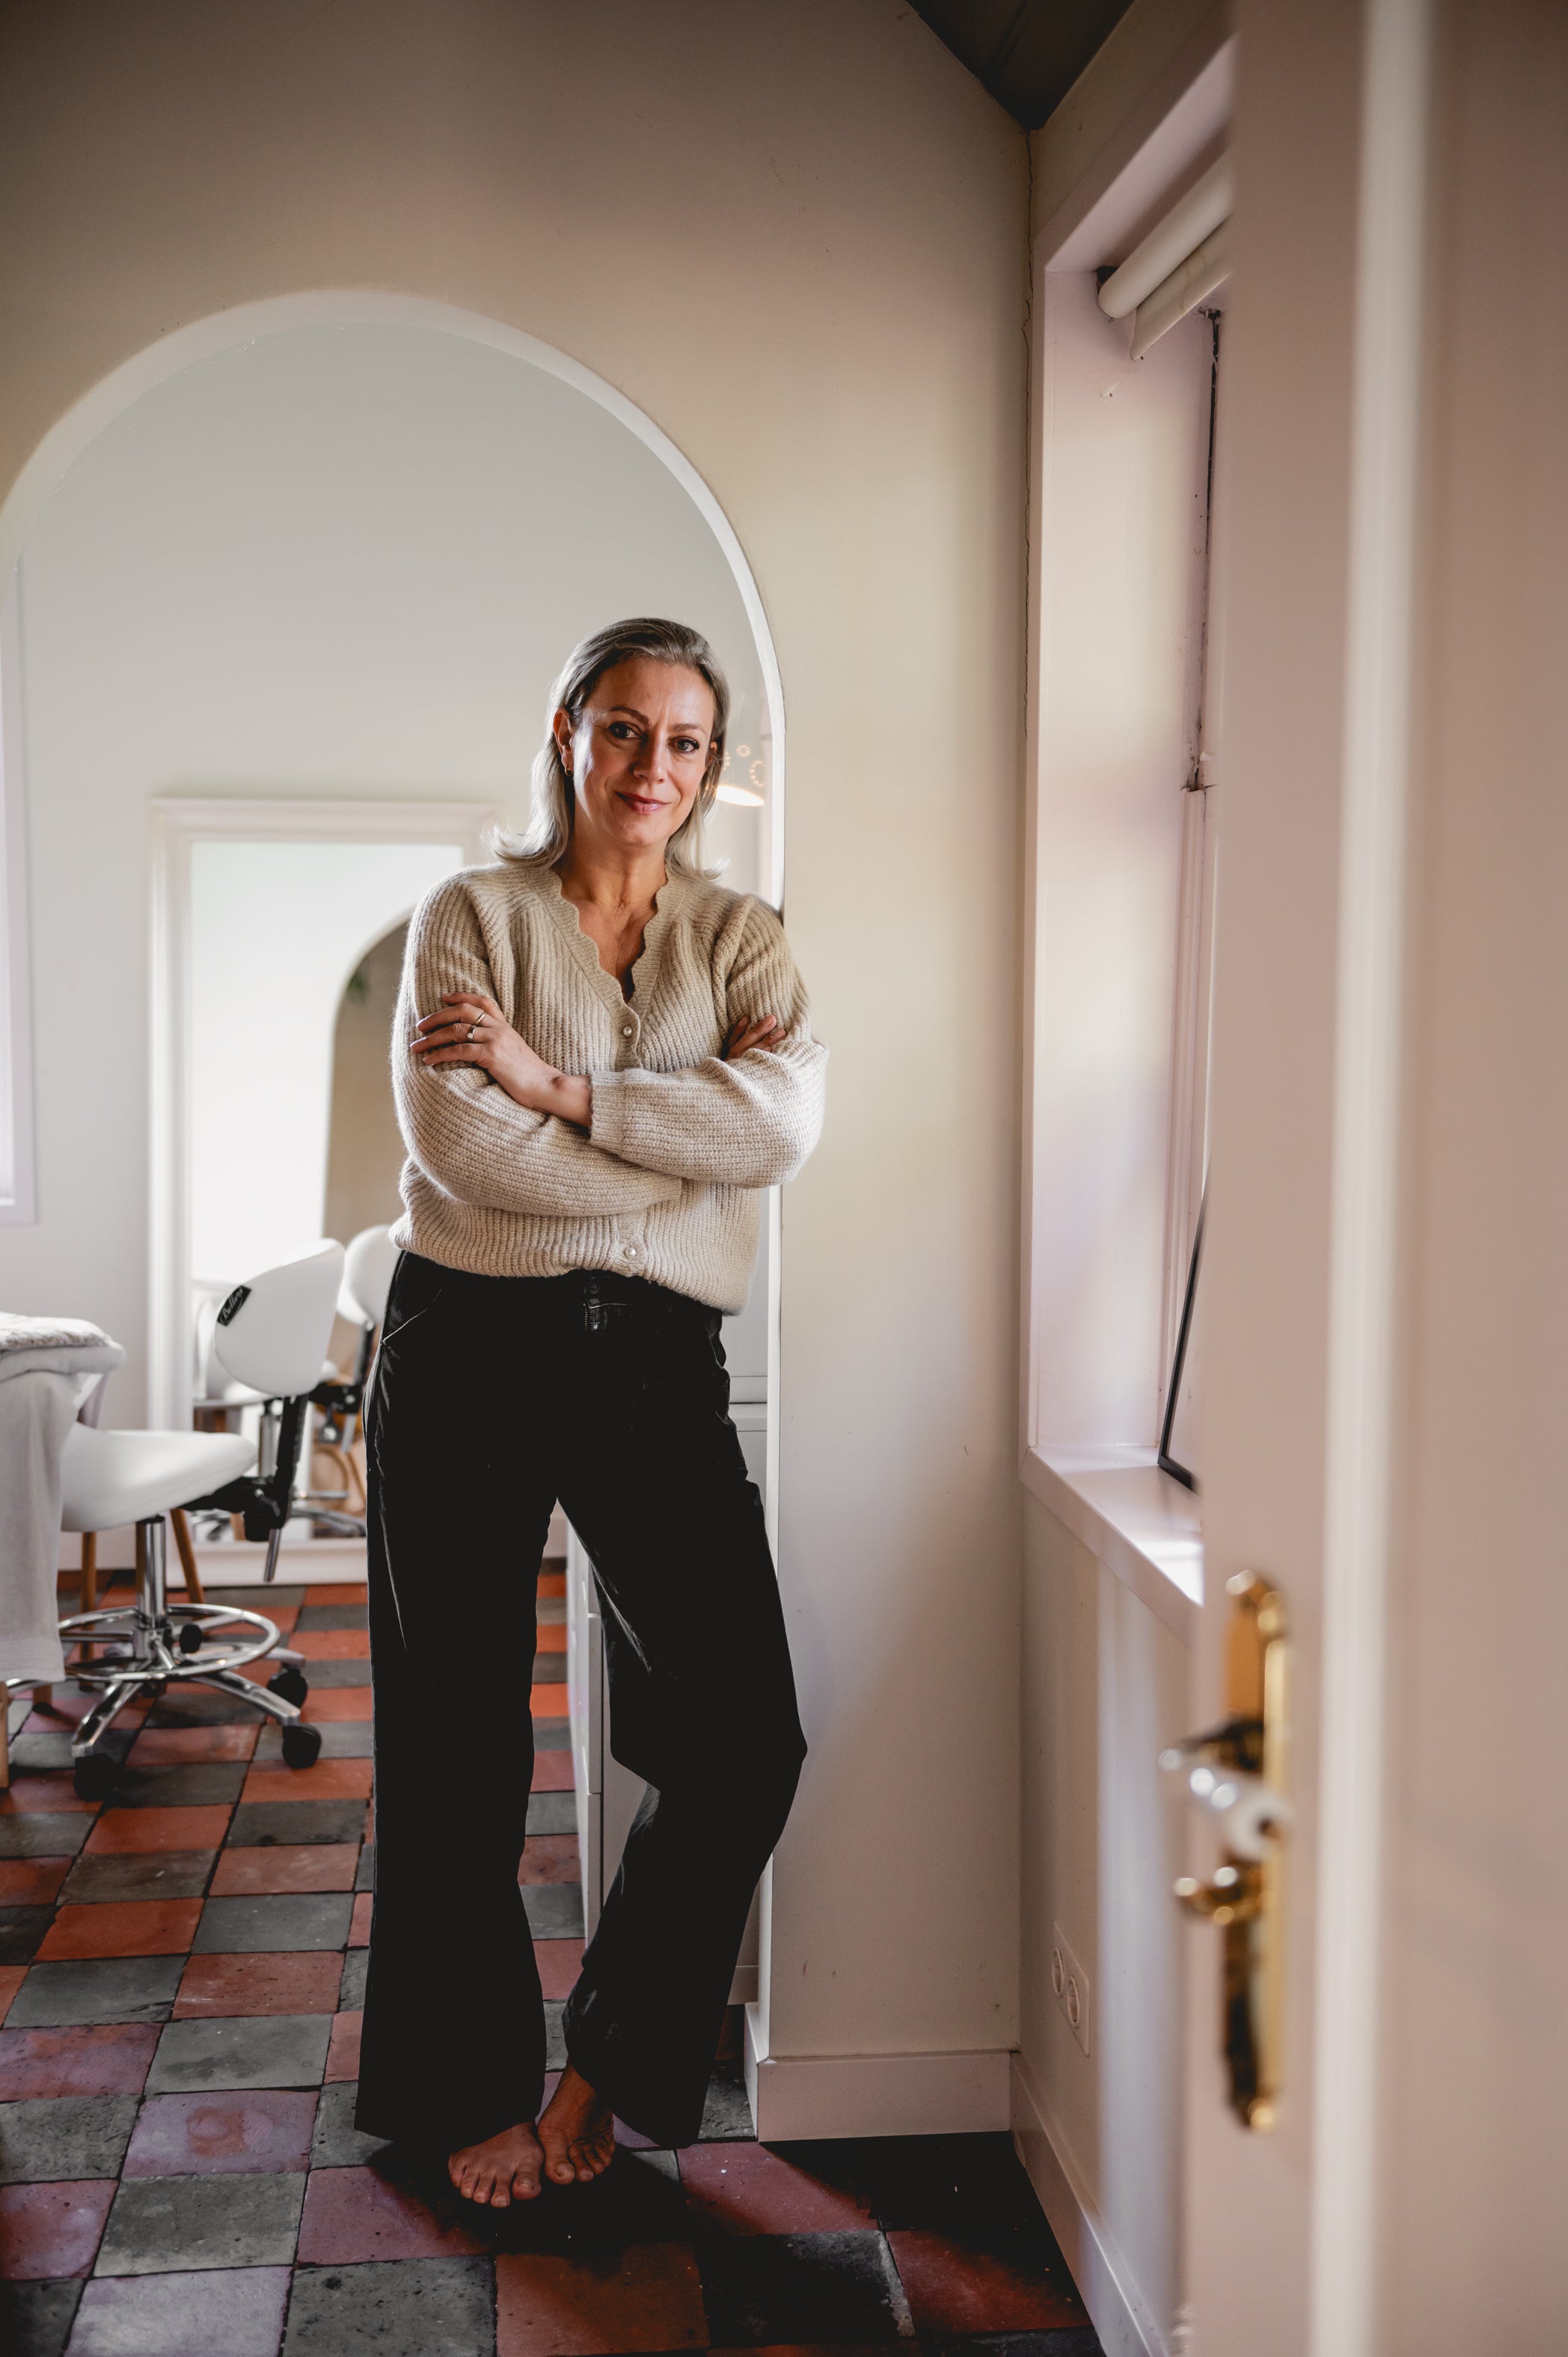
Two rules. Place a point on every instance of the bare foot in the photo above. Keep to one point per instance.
(577, 2132)
(502, 2170)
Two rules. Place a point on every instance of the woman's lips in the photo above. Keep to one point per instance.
(643, 802)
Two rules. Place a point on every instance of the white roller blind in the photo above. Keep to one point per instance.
(1183, 259)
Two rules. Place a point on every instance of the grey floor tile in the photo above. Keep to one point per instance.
(194, 1706)
(554, 1909)
(36, 2317)
(280, 2049)
(365, 1872)
(159, 2224)
(552, 1813)
(102, 1988)
(727, 2114)
(50, 1747)
(552, 1735)
(154, 1874)
(21, 1931)
(555, 2036)
(1068, 2341)
(393, 2307)
(195, 1784)
(341, 1739)
(337, 1674)
(794, 2290)
(338, 2143)
(551, 1611)
(333, 1615)
(59, 1833)
(48, 2142)
(222, 2313)
(263, 1825)
(351, 1989)
(255, 1599)
(287, 1923)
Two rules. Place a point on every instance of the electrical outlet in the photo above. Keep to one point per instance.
(1069, 1983)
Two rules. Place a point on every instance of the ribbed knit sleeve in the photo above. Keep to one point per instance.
(749, 1123)
(464, 1132)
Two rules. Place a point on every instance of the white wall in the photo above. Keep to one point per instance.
(799, 246)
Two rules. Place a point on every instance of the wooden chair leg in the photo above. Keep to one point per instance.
(5, 1737)
(187, 1554)
(88, 1601)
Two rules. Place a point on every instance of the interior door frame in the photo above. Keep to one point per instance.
(179, 824)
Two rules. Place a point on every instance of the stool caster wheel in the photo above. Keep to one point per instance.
(94, 1777)
(190, 1637)
(301, 1746)
(289, 1685)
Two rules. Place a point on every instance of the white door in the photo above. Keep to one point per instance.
(1387, 1278)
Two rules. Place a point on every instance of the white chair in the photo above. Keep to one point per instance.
(368, 1268)
(272, 1335)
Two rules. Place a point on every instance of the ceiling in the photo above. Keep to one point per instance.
(1028, 53)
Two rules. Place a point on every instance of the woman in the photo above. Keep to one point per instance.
(601, 1058)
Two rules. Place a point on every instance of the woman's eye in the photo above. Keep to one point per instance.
(622, 728)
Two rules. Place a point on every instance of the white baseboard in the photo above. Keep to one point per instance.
(1117, 2309)
(872, 2095)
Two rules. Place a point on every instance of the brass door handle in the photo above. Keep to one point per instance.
(1236, 1773)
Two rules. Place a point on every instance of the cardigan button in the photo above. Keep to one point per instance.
(625, 1030)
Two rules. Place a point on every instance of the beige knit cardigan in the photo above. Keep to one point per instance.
(667, 1184)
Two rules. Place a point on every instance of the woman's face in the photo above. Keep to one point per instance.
(637, 755)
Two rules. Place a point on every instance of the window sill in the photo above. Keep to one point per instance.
(1140, 1523)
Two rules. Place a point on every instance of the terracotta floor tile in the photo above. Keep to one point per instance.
(36, 1796)
(66, 1708)
(31, 1881)
(551, 1637)
(551, 2307)
(744, 2188)
(330, 1780)
(137, 1927)
(51, 2230)
(343, 2052)
(336, 1591)
(549, 1702)
(142, 1829)
(161, 1747)
(559, 1962)
(552, 1771)
(332, 1644)
(11, 1979)
(324, 1702)
(93, 2059)
(954, 2289)
(553, 1583)
(355, 2214)
(359, 1930)
(227, 2135)
(550, 1858)
(280, 1980)
(299, 1866)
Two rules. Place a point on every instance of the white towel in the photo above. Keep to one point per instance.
(47, 1365)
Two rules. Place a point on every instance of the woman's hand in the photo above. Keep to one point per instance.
(470, 1028)
(758, 1031)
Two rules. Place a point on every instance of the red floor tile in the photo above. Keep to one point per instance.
(551, 1638)
(158, 1746)
(130, 1927)
(954, 2289)
(222, 2135)
(305, 1866)
(291, 1981)
(36, 1796)
(66, 1710)
(553, 1583)
(354, 2214)
(324, 1703)
(550, 1701)
(330, 1780)
(332, 1644)
(550, 1858)
(31, 1881)
(550, 2306)
(360, 1928)
(744, 2188)
(343, 2051)
(337, 1592)
(121, 1831)
(552, 1772)
(559, 1962)
(51, 2230)
(11, 1979)
(106, 2058)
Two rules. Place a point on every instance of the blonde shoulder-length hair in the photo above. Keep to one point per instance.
(549, 831)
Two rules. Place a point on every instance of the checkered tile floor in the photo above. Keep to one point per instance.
(180, 1976)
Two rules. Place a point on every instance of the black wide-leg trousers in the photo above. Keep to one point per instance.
(493, 1397)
